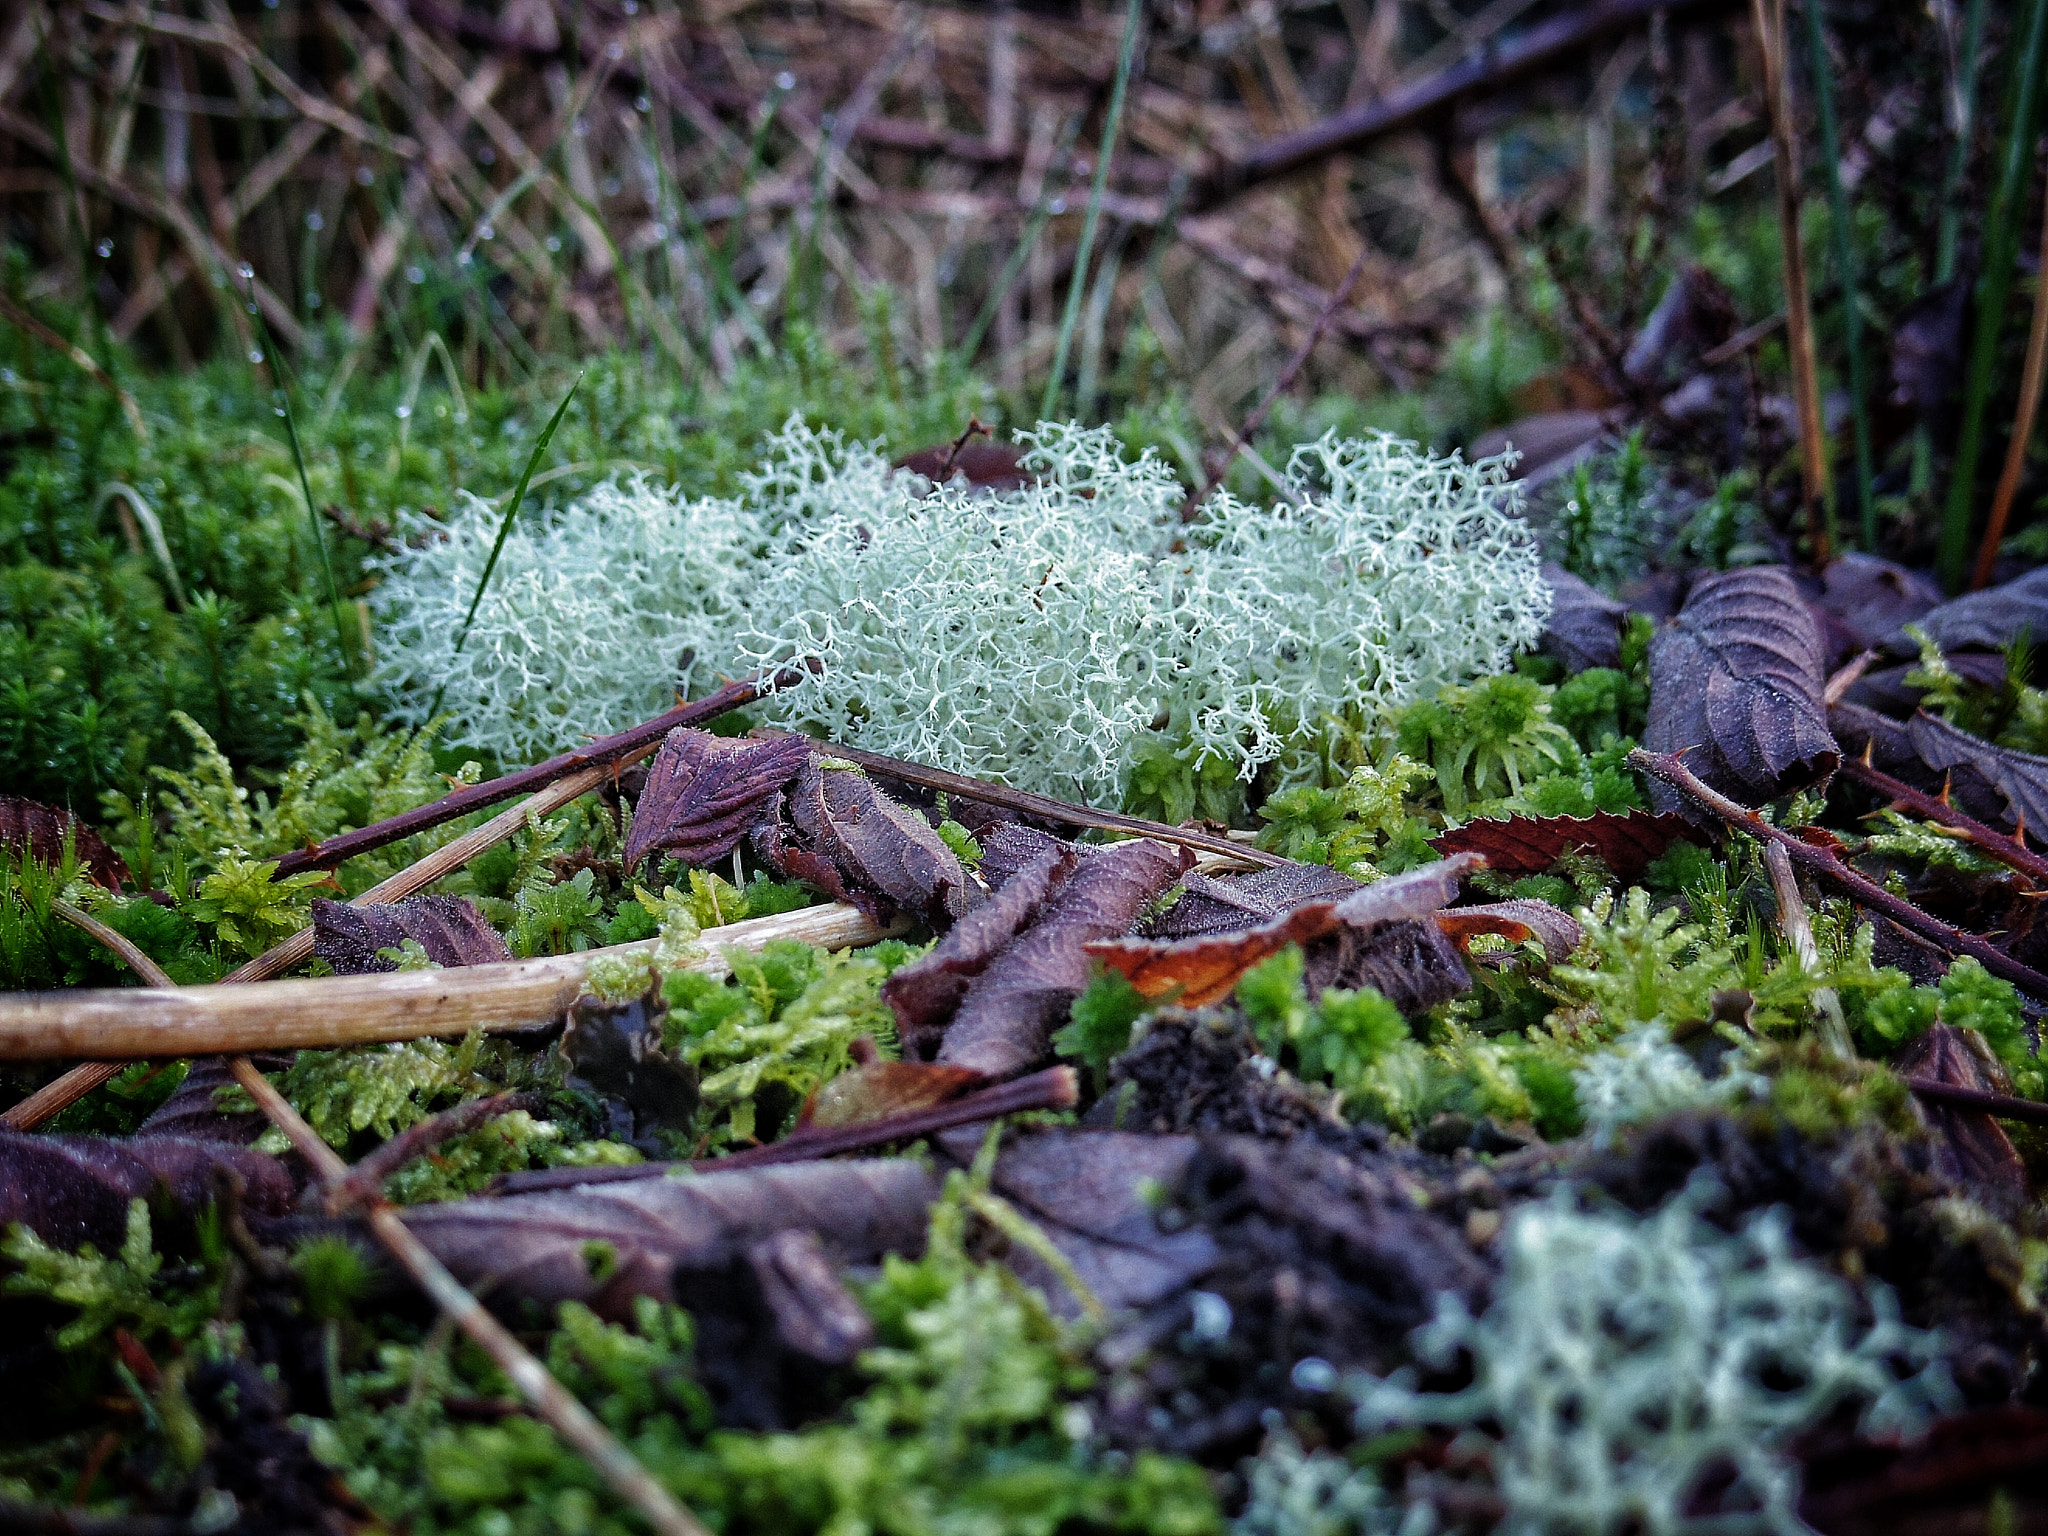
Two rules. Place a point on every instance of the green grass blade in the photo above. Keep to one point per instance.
(1077, 285)
(1041, 211)
(1994, 283)
(533, 459)
(268, 348)
(1845, 269)
(1949, 228)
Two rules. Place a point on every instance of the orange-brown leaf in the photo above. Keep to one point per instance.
(883, 1088)
(1528, 845)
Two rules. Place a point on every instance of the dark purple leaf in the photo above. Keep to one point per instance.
(1737, 677)
(1970, 1147)
(615, 1241)
(192, 1110)
(926, 993)
(1868, 598)
(614, 1050)
(1008, 848)
(984, 466)
(76, 1189)
(2020, 777)
(29, 826)
(1006, 1020)
(448, 928)
(1529, 845)
(1985, 621)
(1546, 444)
(1221, 904)
(814, 1313)
(857, 844)
(1584, 627)
(704, 793)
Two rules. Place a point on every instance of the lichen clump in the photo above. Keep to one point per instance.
(1048, 636)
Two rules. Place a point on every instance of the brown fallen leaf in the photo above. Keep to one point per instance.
(29, 826)
(1983, 621)
(1516, 921)
(877, 1089)
(450, 929)
(857, 844)
(926, 993)
(704, 793)
(605, 1243)
(2020, 777)
(1584, 627)
(1205, 968)
(1007, 1017)
(1221, 904)
(76, 1189)
(985, 466)
(1529, 845)
(1735, 681)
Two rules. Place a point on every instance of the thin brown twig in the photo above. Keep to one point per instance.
(974, 428)
(14, 314)
(601, 753)
(1213, 475)
(2007, 849)
(1826, 866)
(567, 1417)
(1044, 806)
(365, 1181)
(1054, 1088)
(2022, 422)
(2001, 1106)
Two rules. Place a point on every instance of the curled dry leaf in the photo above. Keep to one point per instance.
(704, 793)
(605, 1243)
(1203, 969)
(878, 1089)
(859, 845)
(76, 1189)
(1868, 599)
(1529, 845)
(1558, 931)
(1970, 1147)
(1584, 627)
(30, 827)
(1737, 676)
(1010, 1010)
(926, 993)
(450, 929)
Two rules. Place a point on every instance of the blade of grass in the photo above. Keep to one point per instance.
(1845, 267)
(281, 392)
(1134, 14)
(1034, 225)
(1769, 16)
(483, 581)
(2023, 421)
(1963, 111)
(1994, 282)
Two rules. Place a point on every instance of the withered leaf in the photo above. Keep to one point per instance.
(619, 1240)
(450, 929)
(75, 1189)
(1970, 1146)
(1206, 967)
(1528, 845)
(814, 1313)
(1220, 904)
(1584, 627)
(29, 826)
(193, 1112)
(878, 1089)
(926, 993)
(1987, 620)
(615, 1051)
(1870, 598)
(859, 845)
(1006, 1020)
(984, 466)
(1516, 920)
(1738, 677)
(704, 793)
(1008, 847)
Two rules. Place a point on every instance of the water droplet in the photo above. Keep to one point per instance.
(785, 82)
(245, 271)
(642, 104)
(255, 354)
(1057, 206)
(105, 248)
(313, 299)
(403, 412)
(314, 222)
(277, 410)
(632, 7)
(415, 275)
(554, 242)
(487, 156)
(615, 51)
(661, 231)
(1314, 1375)
(364, 175)
(486, 232)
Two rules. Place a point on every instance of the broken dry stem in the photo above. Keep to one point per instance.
(1045, 807)
(326, 1012)
(551, 1401)
(1824, 865)
(1797, 927)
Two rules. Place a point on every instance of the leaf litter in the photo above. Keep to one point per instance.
(1329, 1118)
